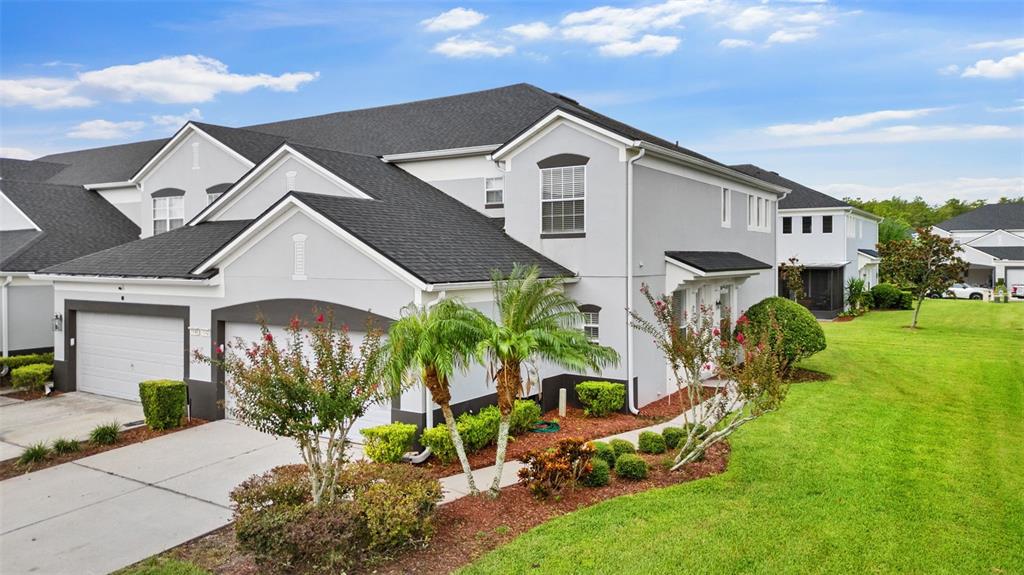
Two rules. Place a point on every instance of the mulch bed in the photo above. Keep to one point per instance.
(574, 424)
(31, 394)
(468, 527)
(801, 375)
(10, 468)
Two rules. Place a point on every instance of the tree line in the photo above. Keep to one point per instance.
(903, 216)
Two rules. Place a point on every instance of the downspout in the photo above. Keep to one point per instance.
(630, 397)
(3, 313)
(428, 407)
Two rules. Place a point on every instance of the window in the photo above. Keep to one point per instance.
(759, 214)
(168, 213)
(494, 192)
(592, 325)
(562, 200)
(299, 257)
(787, 225)
(289, 181)
(807, 224)
(726, 207)
(212, 197)
(826, 224)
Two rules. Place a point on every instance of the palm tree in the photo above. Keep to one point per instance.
(432, 343)
(537, 321)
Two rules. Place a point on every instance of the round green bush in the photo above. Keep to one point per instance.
(621, 446)
(600, 473)
(802, 336)
(673, 436)
(603, 451)
(887, 296)
(651, 442)
(631, 466)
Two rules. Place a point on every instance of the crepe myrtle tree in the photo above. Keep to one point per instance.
(751, 366)
(311, 388)
(927, 263)
(432, 343)
(536, 321)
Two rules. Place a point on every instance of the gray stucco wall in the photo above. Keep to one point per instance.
(31, 315)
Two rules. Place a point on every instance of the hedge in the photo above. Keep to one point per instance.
(479, 430)
(601, 397)
(163, 402)
(388, 443)
(15, 361)
(32, 376)
(802, 336)
(888, 296)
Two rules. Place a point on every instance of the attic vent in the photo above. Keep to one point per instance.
(289, 179)
(299, 257)
(195, 155)
(564, 97)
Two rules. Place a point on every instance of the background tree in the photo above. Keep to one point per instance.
(536, 321)
(433, 343)
(311, 390)
(893, 228)
(925, 264)
(793, 276)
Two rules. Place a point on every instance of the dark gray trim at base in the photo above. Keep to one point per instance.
(203, 401)
(29, 351)
(551, 385)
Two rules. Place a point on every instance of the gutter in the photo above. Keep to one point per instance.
(126, 280)
(438, 154)
(711, 167)
(630, 397)
(3, 313)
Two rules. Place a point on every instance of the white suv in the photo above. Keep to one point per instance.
(957, 291)
(1017, 290)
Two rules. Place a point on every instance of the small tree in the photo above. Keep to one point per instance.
(754, 386)
(856, 295)
(311, 389)
(793, 276)
(925, 264)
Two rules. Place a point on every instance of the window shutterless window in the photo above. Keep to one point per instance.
(826, 224)
(807, 224)
(168, 213)
(212, 197)
(592, 325)
(726, 207)
(562, 193)
(787, 225)
(494, 191)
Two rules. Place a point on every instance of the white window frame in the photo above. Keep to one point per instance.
(759, 214)
(726, 205)
(592, 322)
(299, 257)
(543, 201)
(489, 186)
(212, 197)
(167, 201)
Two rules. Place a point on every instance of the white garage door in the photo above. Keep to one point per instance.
(378, 414)
(117, 351)
(1014, 276)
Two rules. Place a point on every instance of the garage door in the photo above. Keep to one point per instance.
(1014, 276)
(378, 414)
(117, 351)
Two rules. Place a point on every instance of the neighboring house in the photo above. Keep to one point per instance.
(42, 224)
(992, 238)
(367, 211)
(833, 240)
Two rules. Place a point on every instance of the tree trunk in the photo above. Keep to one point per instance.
(917, 310)
(499, 458)
(508, 385)
(460, 449)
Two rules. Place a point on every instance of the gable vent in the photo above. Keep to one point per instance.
(299, 257)
(289, 181)
(195, 155)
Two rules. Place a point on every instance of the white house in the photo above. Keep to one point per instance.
(833, 240)
(992, 239)
(369, 210)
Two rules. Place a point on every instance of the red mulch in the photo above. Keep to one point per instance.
(676, 403)
(31, 394)
(801, 375)
(10, 467)
(468, 527)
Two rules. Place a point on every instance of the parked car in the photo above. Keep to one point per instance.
(964, 291)
(1017, 290)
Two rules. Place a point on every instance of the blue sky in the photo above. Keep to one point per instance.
(855, 98)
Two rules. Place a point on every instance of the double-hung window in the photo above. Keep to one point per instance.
(787, 225)
(168, 213)
(807, 222)
(826, 224)
(592, 326)
(562, 197)
(494, 192)
(759, 214)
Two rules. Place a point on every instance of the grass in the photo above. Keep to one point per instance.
(163, 566)
(910, 461)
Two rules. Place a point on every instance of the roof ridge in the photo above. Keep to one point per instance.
(43, 158)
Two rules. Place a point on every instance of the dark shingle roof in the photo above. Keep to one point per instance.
(718, 261)
(102, 165)
(1003, 252)
(28, 170)
(169, 255)
(253, 146)
(987, 217)
(74, 221)
(12, 241)
(800, 197)
(872, 253)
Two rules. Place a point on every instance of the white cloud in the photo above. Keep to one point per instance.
(890, 135)
(967, 189)
(42, 93)
(1008, 44)
(846, 123)
(788, 36)
(17, 153)
(454, 19)
(531, 31)
(1008, 67)
(750, 18)
(648, 44)
(105, 130)
(735, 43)
(1019, 107)
(950, 70)
(175, 121)
(458, 47)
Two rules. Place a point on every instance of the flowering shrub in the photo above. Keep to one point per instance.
(547, 472)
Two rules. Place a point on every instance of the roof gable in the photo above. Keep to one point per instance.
(800, 196)
(986, 218)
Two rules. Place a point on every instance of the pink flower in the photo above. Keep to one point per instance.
(707, 366)
(743, 320)
(716, 332)
(220, 348)
(740, 338)
(294, 323)
(268, 337)
(320, 318)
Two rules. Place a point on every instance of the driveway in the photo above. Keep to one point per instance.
(107, 511)
(70, 415)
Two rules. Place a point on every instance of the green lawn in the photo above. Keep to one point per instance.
(910, 461)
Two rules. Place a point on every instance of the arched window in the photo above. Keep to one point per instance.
(563, 183)
(215, 191)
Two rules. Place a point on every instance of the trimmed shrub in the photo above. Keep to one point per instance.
(35, 453)
(64, 446)
(525, 413)
(16, 361)
(601, 397)
(549, 471)
(388, 443)
(621, 447)
(105, 434)
(651, 442)
(906, 300)
(604, 451)
(480, 430)
(32, 376)
(674, 436)
(802, 336)
(396, 503)
(600, 473)
(163, 402)
(439, 442)
(888, 296)
(631, 466)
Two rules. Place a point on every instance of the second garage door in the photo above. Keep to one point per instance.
(117, 351)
